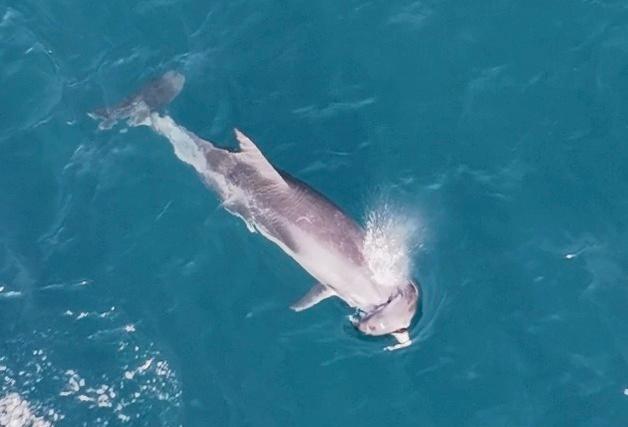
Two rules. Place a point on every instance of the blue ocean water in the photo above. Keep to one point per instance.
(129, 297)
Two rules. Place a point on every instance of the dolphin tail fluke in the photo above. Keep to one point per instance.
(137, 108)
(133, 112)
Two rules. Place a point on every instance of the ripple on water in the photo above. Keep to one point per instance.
(30, 71)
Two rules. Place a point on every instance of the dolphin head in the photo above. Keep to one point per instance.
(393, 317)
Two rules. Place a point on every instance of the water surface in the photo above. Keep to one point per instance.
(128, 297)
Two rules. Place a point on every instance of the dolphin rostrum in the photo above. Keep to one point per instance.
(302, 222)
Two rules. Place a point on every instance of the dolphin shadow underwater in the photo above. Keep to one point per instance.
(306, 225)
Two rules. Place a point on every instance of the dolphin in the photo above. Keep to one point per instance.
(304, 223)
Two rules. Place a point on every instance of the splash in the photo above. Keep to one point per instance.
(390, 239)
(394, 234)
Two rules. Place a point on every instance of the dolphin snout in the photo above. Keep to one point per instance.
(393, 317)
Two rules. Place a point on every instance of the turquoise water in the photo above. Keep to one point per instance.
(129, 297)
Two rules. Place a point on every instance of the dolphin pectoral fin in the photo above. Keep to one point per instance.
(403, 339)
(314, 296)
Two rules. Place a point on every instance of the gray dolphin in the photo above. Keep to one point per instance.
(306, 225)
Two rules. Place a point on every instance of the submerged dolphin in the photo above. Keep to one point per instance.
(302, 222)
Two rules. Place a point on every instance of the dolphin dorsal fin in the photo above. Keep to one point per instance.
(250, 154)
(314, 296)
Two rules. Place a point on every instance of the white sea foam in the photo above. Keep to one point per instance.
(36, 391)
(390, 239)
(17, 412)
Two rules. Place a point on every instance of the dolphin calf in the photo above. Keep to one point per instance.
(306, 225)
